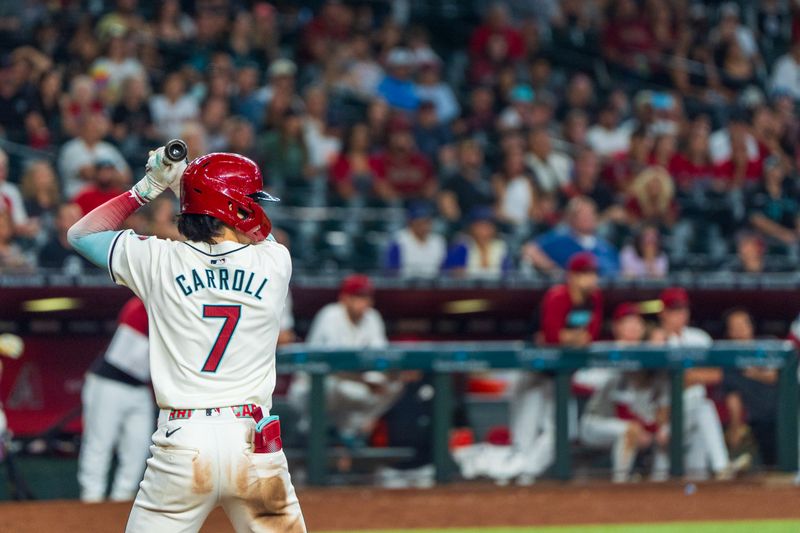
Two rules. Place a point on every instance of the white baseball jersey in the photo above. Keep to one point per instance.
(691, 337)
(214, 313)
(332, 327)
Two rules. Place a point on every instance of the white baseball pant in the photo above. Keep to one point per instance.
(703, 439)
(352, 405)
(117, 417)
(204, 461)
(604, 432)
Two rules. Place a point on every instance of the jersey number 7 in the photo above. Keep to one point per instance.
(231, 314)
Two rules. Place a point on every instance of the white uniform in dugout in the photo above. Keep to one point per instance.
(117, 411)
(214, 317)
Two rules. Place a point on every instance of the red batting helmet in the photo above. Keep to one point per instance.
(227, 187)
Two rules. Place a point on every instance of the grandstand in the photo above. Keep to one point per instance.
(472, 158)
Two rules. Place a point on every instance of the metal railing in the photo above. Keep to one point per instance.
(444, 359)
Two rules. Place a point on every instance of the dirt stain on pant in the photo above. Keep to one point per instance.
(201, 476)
(268, 502)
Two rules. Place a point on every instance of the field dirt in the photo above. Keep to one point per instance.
(351, 509)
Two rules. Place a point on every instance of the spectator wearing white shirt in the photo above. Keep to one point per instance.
(354, 401)
(116, 65)
(552, 170)
(173, 108)
(730, 27)
(76, 161)
(608, 138)
(415, 251)
(363, 72)
(721, 141)
(786, 73)
(10, 197)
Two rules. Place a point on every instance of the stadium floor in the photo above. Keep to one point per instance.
(760, 526)
(763, 506)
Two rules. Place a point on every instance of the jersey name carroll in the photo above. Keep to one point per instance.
(223, 279)
(214, 314)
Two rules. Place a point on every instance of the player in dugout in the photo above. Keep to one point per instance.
(118, 411)
(571, 316)
(630, 412)
(214, 303)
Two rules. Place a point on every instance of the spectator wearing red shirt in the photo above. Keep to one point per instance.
(351, 173)
(628, 41)
(623, 167)
(402, 172)
(330, 27)
(693, 163)
(493, 44)
(106, 186)
(572, 313)
(737, 154)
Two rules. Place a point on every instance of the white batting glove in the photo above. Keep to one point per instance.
(160, 173)
(11, 345)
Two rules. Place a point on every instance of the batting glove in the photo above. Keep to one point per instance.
(160, 173)
(11, 345)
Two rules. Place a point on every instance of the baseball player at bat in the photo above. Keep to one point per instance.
(214, 304)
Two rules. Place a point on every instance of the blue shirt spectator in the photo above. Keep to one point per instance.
(397, 87)
(552, 251)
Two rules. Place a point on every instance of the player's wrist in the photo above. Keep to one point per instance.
(147, 189)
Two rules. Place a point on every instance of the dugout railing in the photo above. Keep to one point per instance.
(443, 359)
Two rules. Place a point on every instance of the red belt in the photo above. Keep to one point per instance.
(248, 410)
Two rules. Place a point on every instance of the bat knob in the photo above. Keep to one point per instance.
(176, 150)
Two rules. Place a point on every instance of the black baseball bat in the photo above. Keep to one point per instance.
(176, 150)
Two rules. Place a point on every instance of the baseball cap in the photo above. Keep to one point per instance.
(400, 57)
(399, 122)
(427, 105)
(626, 309)
(522, 93)
(582, 262)
(282, 67)
(104, 163)
(427, 58)
(675, 298)
(481, 214)
(357, 285)
(418, 210)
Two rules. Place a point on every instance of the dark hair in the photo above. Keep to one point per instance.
(199, 228)
(736, 310)
(638, 238)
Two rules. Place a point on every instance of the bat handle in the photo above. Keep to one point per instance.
(176, 150)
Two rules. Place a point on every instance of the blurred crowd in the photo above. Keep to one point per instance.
(658, 135)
